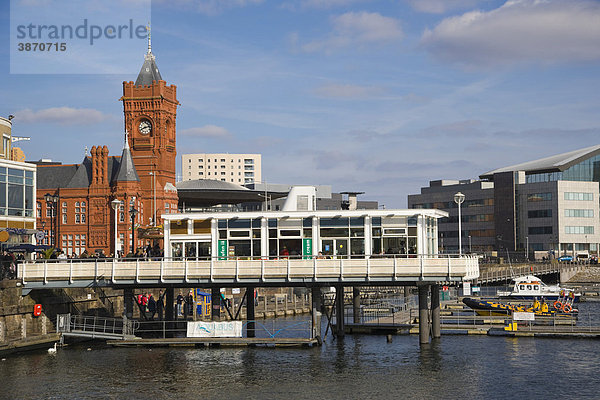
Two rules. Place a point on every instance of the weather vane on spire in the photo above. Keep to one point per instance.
(149, 29)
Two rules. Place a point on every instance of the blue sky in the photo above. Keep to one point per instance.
(379, 96)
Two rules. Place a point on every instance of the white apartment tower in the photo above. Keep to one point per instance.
(240, 169)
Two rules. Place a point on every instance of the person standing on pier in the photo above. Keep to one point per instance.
(160, 305)
(151, 307)
(189, 300)
(179, 301)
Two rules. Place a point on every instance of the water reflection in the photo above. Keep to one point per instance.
(355, 367)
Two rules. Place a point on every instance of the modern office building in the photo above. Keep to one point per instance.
(240, 169)
(17, 186)
(544, 207)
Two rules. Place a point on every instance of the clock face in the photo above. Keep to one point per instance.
(145, 127)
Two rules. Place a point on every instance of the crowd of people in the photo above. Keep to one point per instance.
(8, 265)
(149, 306)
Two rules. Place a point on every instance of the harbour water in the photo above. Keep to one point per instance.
(357, 367)
(471, 367)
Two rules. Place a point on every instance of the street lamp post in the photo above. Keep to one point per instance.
(154, 198)
(527, 246)
(470, 247)
(51, 201)
(459, 198)
(133, 212)
(115, 205)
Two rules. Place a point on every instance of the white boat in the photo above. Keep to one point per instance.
(532, 287)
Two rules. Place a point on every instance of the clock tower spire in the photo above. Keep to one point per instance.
(150, 110)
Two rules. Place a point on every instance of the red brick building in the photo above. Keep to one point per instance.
(142, 177)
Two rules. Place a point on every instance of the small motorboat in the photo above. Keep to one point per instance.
(530, 287)
(539, 308)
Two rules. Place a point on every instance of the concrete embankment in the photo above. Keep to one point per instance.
(21, 329)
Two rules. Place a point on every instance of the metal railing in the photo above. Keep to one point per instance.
(94, 326)
(506, 273)
(273, 328)
(237, 269)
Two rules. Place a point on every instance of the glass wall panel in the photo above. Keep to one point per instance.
(239, 223)
(176, 249)
(334, 232)
(332, 222)
(273, 249)
(190, 249)
(357, 247)
(241, 247)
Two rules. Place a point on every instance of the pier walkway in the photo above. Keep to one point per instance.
(239, 272)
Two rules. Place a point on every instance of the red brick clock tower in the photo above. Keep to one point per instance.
(150, 108)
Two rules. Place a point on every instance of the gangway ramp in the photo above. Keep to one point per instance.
(92, 327)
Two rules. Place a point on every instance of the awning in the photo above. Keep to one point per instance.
(28, 248)
(152, 232)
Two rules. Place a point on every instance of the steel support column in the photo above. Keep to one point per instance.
(128, 303)
(339, 310)
(250, 315)
(423, 314)
(169, 303)
(436, 330)
(215, 298)
(356, 304)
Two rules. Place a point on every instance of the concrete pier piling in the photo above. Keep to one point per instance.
(250, 314)
(436, 329)
(215, 313)
(339, 310)
(423, 314)
(356, 304)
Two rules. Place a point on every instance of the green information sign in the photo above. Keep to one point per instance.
(307, 248)
(222, 249)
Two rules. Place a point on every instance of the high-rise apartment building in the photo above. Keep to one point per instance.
(240, 169)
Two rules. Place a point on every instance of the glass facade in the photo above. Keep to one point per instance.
(295, 237)
(16, 192)
(586, 171)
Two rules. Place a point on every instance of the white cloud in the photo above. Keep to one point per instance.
(347, 91)
(210, 131)
(357, 29)
(440, 6)
(545, 31)
(61, 116)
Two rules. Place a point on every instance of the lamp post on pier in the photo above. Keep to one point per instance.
(133, 212)
(154, 197)
(459, 198)
(51, 204)
(115, 205)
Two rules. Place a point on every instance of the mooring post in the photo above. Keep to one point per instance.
(339, 310)
(215, 298)
(436, 330)
(423, 314)
(250, 315)
(356, 304)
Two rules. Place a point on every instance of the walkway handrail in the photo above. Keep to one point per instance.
(240, 269)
